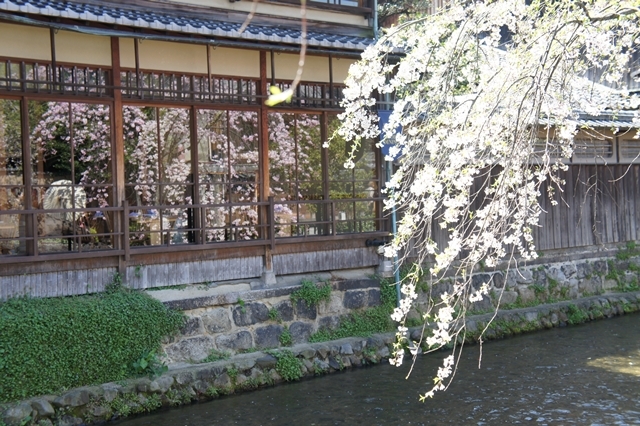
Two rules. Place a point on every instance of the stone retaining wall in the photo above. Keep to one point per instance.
(245, 372)
(238, 322)
(545, 283)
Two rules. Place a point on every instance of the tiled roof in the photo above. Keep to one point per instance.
(620, 119)
(606, 120)
(175, 22)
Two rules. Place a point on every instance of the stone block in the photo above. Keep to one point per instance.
(250, 313)
(207, 374)
(319, 365)
(300, 332)
(191, 327)
(498, 280)
(609, 284)
(355, 299)
(373, 298)
(333, 363)
(285, 309)
(375, 342)
(69, 421)
(245, 362)
(307, 364)
(223, 381)
(346, 349)
(304, 311)
(99, 412)
(600, 267)
(591, 285)
(333, 306)
(584, 270)
(346, 361)
(216, 320)
(526, 294)
(531, 316)
(275, 377)
(383, 352)
(540, 276)
(307, 352)
(42, 407)
(508, 297)
(200, 387)
(190, 349)
(266, 362)
(16, 414)
(161, 384)
(184, 378)
(479, 279)
(524, 276)
(483, 305)
(331, 322)
(74, 398)
(323, 350)
(569, 270)
(143, 385)
(268, 336)
(556, 274)
(235, 341)
(240, 380)
(110, 391)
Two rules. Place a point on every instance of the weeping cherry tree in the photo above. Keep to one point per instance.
(486, 94)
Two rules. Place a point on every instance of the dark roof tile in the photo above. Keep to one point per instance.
(142, 18)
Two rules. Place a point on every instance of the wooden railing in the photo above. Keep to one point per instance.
(145, 229)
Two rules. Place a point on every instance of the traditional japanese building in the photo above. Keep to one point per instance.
(134, 139)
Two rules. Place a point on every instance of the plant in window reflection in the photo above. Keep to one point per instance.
(78, 128)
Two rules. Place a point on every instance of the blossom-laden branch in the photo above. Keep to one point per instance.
(485, 94)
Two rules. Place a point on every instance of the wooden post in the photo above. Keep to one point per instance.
(117, 153)
(30, 221)
(264, 143)
(268, 277)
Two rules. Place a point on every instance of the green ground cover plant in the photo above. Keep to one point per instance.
(366, 322)
(311, 293)
(48, 345)
(288, 366)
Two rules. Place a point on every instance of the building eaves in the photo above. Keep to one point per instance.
(179, 23)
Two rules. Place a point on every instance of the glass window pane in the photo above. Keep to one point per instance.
(12, 226)
(158, 173)
(71, 171)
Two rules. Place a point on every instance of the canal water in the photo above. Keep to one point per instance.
(583, 375)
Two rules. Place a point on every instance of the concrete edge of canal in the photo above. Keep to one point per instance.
(250, 371)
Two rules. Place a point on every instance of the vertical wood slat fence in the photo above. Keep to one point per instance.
(598, 205)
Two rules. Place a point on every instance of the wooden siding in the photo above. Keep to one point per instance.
(603, 208)
(169, 274)
(599, 205)
(297, 263)
(52, 284)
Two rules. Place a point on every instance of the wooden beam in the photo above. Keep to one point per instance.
(265, 183)
(117, 149)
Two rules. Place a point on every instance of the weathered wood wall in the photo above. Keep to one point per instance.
(329, 260)
(59, 283)
(169, 274)
(599, 205)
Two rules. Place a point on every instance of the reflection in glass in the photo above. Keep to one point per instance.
(359, 182)
(158, 173)
(295, 168)
(70, 159)
(12, 226)
(228, 158)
